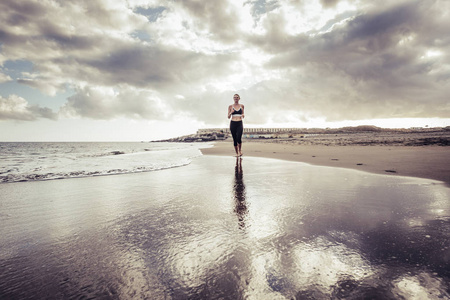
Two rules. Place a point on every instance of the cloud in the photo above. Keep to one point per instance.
(17, 108)
(220, 18)
(373, 65)
(107, 103)
(105, 53)
(4, 78)
(288, 59)
(329, 3)
(143, 66)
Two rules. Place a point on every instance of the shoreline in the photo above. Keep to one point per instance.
(256, 227)
(429, 162)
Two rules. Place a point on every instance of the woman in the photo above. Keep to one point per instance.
(236, 113)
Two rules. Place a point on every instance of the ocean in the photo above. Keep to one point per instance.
(190, 226)
(45, 160)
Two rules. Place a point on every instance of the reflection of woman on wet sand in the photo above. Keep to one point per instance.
(239, 194)
(236, 113)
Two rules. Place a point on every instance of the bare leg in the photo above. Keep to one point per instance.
(236, 148)
(240, 149)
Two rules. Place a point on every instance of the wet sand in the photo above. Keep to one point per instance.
(227, 228)
(418, 161)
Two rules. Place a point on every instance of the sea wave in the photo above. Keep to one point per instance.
(79, 174)
(40, 161)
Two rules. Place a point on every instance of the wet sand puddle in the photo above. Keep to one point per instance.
(227, 228)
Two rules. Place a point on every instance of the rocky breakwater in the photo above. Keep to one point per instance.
(207, 137)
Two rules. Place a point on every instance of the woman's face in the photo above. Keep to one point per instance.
(236, 98)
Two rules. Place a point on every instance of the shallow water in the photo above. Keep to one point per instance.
(35, 161)
(225, 228)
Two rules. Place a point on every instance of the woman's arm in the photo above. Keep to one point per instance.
(242, 106)
(229, 111)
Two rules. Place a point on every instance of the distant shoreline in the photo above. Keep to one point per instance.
(361, 135)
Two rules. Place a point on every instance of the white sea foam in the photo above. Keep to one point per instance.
(44, 161)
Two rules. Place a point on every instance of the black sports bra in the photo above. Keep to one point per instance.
(237, 112)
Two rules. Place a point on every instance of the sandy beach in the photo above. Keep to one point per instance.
(226, 228)
(221, 227)
(418, 161)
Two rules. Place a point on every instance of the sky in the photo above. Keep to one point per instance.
(140, 70)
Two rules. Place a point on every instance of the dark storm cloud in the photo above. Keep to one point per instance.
(362, 69)
(64, 41)
(363, 36)
(167, 58)
(18, 13)
(156, 67)
(109, 60)
(370, 25)
(60, 55)
(329, 3)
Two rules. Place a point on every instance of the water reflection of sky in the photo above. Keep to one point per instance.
(242, 228)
